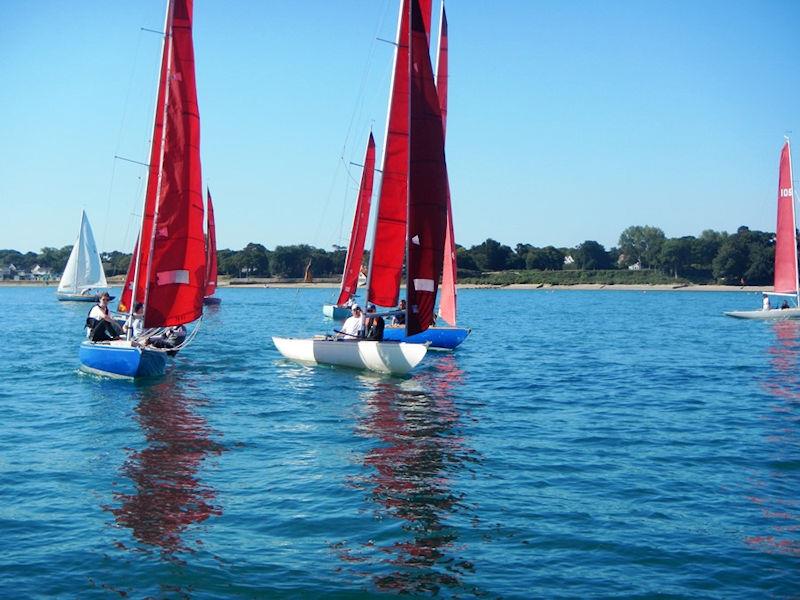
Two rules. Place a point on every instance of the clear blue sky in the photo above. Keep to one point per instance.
(567, 121)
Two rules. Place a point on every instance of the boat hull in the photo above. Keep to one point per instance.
(337, 313)
(120, 359)
(439, 338)
(775, 314)
(64, 296)
(211, 301)
(383, 357)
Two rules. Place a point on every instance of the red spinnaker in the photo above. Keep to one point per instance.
(427, 182)
(447, 298)
(171, 259)
(211, 248)
(355, 251)
(786, 236)
(387, 253)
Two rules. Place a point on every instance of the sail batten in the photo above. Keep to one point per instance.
(786, 269)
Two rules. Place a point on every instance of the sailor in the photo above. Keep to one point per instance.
(399, 317)
(134, 325)
(765, 303)
(101, 327)
(352, 327)
(374, 325)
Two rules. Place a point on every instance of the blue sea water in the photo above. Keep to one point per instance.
(580, 444)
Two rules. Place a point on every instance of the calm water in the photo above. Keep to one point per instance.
(579, 444)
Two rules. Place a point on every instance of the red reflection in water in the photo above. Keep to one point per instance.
(782, 512)
(168, 496)
(415, 424)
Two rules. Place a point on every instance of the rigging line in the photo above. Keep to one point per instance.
(125, 107)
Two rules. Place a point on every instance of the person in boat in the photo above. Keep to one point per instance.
(765, 303)
(399, 317)
(353, 326)
(100, 325)
(373, 328)
(172, 337)
(134, 325)
(785, 305)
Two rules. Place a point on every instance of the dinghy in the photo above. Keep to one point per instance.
(167, 271)
(786, 272)
(355, 250)
(83, 279)
(383, 357)
(413, 215)
(211, 255)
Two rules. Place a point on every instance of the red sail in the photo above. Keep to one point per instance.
(125, 298)
(171, 259)
(386, 256)
(355, 251)
(785, 242)
(427, 182)
(211, 248)
(447, 300)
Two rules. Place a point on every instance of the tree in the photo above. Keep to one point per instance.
(591, 255)
(545, 259)
(254, 260)
(642, 244)
(676, 254)
(732, 260)
(491, 255)
(705, 247)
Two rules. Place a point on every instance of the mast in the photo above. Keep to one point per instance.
(137, 247)
(794, 226)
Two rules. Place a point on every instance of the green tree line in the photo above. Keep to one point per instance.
(746, 256)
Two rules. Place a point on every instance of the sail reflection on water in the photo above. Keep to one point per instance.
(167, 495)
(409, 476)
(777, 494)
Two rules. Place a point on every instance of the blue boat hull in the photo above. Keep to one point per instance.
(112, 360)
(211, 301)
(337, 313)
(62, 296)
(440, 338)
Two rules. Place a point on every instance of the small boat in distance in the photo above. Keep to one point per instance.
(355, 250)
(211, 255)
(787, 283)
(167, 273)
(83, 279)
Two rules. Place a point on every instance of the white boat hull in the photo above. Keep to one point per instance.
(383, 357)
(774, 314)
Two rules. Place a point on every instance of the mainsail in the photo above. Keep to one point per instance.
(786, 276)
(427, 182)
(211, 248)
(355, 251)
(84, 268)
(169, 272)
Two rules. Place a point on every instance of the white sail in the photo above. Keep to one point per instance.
(84, 268)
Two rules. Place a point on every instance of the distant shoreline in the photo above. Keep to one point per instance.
(619, 287)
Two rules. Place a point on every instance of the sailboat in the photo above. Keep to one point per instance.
(83, 279)
(211, 255)
(355, 250)
(786, 271)
(451, 336)
(413, 223)
(167, 273)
